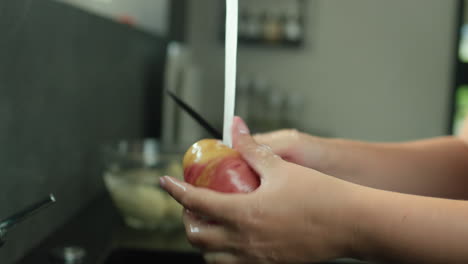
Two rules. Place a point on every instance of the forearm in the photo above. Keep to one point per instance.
(433, 167)
(401, 228)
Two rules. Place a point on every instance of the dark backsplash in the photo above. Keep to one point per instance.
(68, 82)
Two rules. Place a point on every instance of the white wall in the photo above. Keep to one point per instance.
(371, 69)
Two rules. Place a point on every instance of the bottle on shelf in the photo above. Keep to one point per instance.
(244, 20)
(276, 103)
(242, 97)
(293, 28)
(258, 103)
(294, 110)
(272, 29)
(253, 27)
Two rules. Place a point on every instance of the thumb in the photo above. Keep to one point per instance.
(260, 157)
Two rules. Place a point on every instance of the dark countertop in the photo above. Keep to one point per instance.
(99, 229)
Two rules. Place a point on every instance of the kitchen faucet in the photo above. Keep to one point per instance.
(13, 220)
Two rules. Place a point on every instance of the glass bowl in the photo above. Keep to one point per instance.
(131, 176)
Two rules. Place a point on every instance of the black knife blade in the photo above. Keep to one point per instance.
(197, 117)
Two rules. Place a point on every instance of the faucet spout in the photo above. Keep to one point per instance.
(15, 219)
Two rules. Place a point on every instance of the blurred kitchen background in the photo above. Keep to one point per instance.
(75, 74)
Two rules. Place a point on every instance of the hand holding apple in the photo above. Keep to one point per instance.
(294, 216)
(211, 164)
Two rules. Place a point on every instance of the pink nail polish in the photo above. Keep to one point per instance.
(242, 127)
(162, 182)
(194, 229)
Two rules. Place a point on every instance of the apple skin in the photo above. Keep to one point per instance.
(211, 164)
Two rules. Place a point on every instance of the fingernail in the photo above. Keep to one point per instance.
(162, 182)
(194, 229)
(176, 183)
(241, 126)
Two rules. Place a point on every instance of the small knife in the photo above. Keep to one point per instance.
(197, 117)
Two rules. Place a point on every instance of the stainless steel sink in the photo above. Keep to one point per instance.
(128, 256)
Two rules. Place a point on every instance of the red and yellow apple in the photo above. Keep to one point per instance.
(211, 164)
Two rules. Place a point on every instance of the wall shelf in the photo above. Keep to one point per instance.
(263, 24)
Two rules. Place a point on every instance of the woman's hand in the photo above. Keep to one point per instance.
(297, 215)
(429, 167)
(296, 147)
